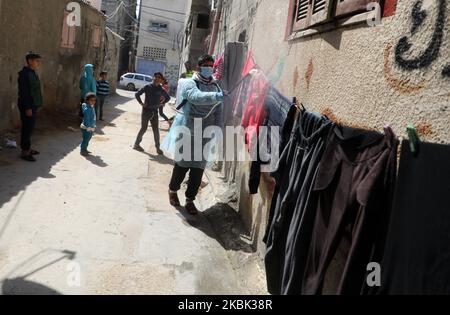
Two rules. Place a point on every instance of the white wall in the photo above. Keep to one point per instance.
(172, 40)
(95, 3)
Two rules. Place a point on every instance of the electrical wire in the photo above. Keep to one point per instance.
(109, 17)
(155, 8)
(153, 34)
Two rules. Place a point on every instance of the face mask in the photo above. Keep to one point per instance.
(207, 72)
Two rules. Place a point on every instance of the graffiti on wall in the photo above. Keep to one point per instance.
(309, 73)
(172, 72)
(431, 53)
(400, 85)
(446, 71)
(296, 77)
(408, 61)
(276, 71)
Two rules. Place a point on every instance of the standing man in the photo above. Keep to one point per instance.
(155, 98)
(30, 100)
(204, 100)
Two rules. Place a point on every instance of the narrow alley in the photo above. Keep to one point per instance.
(103, 224)
(205, 151)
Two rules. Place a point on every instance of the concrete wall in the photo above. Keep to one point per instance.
(194, 40)
(353, 71)
(238, 17)
(37, 25)
(111, 59)
(123, 21)
(350, 73)
(115, 22)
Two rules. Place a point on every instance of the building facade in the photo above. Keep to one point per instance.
(366, 64)
(122, 19)
(160, 38)
(197, 31)
(66, 49)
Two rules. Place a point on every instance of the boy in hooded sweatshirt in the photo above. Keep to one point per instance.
(89, 122)
(88, 84)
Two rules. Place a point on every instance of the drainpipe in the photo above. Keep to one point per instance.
(215, 30)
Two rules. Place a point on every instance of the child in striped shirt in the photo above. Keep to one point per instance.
(102, 93)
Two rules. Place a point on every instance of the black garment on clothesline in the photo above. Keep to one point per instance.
(289, 127)
(281, 114)
(354, 189)
(417, 255)
(296, 173)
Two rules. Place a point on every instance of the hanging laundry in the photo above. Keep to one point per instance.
(417, 255)
(354, 187)
(289, 127)
(219, 67)
(277, 107)
(240, 98)
(249, 65)
(254, 113)
(233, 62)
(295, 175)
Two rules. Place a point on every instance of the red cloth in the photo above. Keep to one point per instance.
(254, 112)
(249, 64)
(219, 67)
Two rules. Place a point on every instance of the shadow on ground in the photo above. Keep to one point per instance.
(21, 286)
(96, 160)
(56, 135)
(222, 223)
(161, 159)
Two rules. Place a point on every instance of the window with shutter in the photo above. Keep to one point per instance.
(307, 17)
(344, 7)
(311, 12)
(301, 16)
(320, 11)
(96, 36)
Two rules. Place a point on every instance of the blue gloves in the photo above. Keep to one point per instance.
(219, 96)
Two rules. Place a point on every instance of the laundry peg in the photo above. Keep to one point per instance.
(413, 139)
(294, 102)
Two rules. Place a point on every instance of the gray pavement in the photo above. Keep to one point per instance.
(102, 225)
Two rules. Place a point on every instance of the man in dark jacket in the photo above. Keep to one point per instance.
(155, 97)
(30, 99)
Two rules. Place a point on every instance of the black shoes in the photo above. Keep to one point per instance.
(173, 198)
(191, 208)
(138, 148)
